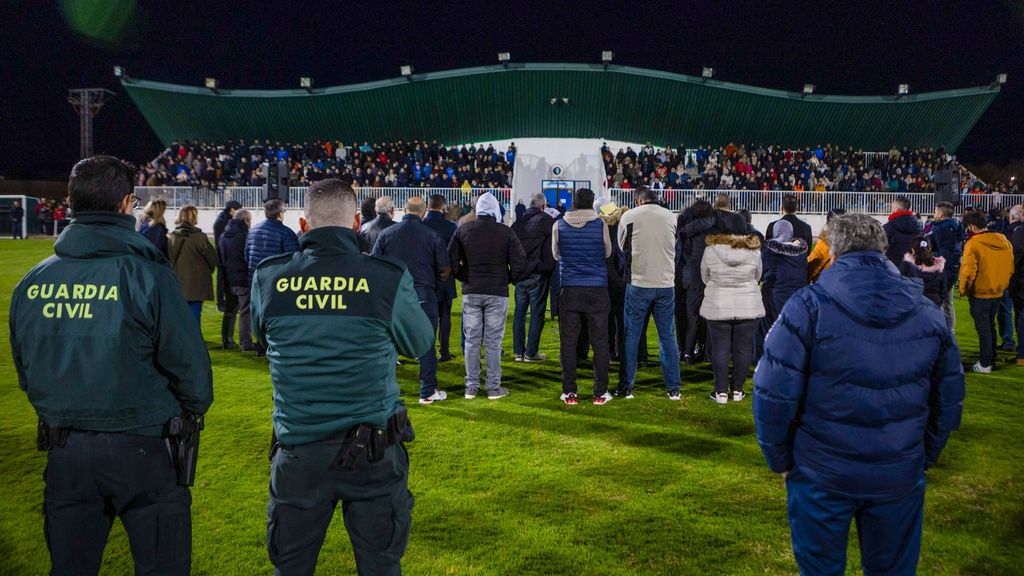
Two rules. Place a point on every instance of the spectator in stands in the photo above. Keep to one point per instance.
(426, 257)
(730, 269)
(694, 225)
(17, 216)
(534, 230)
(446, 293)
(647, 237)
(901, 229)
(921, 263)
(985, 273)
(486, 256)
(852, 438)
(581, 244)
(227, 303)
(801, 229)
(231, 249)
(1017, 281)
(819, 259)
(947, 240)
(193, 258)
(385, 209)
(154, 227)
(785, 264)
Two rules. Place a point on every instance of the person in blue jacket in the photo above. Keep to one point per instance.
(947, 238)
(851, 434)
(269, 238)
(785, 265)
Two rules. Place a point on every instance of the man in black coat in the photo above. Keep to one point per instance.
(900, 230)
(534, 231)
(370, 231)
(801, 229)
(435, 219)
(17, 217)
(226, 301)
(231, 249)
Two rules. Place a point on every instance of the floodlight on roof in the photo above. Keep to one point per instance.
(808, 89)
(306, 82)
(119, 72)
(407, 71)
(707, 72)
(903, 90)
(504, 57)
(211, 83)
(1001, 79)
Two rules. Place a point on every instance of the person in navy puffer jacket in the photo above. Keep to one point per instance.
(785, 265)
(851, 431)
(270, 237)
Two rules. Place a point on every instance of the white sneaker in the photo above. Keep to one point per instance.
(738, 395)
(981, 369)
(537, 358)
(470, 394)
(722, 398)
(604, 399)
(437, 396)
(519, 357)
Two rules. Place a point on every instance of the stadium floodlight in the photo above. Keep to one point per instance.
(565, 99)
(119, 72)
(1001, 79)
(306, 82)
(606, 57)
(554, 100)
(707, 73)
(808, 89)
(903, 90)
(407, 71)
(211, 83)
(504, 57)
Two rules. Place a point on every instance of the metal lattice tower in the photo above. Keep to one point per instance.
(87, 102)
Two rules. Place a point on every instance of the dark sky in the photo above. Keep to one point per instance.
(856, 47)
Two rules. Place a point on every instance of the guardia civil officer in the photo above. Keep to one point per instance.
(109, 299)
(333, 321)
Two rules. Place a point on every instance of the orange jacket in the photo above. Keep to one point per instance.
(986, 266)
(818, 260)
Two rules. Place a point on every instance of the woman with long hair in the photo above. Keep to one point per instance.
(154, 227)
(919, 262)
(193, 258)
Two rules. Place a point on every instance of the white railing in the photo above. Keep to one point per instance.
(757, 201)
(252, 196)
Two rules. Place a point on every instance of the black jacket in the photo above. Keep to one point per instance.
(690, 246)
(231, 248)
(486, 257)
(157, 234)
(801, 229)
(1017, 280)
(934, 277)
(900, 230)
(534, 232)
(371, 230)
(445, 229)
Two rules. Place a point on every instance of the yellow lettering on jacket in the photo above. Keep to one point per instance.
(71, 301)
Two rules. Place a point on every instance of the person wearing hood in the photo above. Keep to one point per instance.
(486, 256)
(853, 438)
(785, 264)
(106, 349)
(581, 244)
(231, 249)
(695, 224)
(947, 239)
(900, 230)
(921, 263)
(194, 259)
(985, 272)
(534, 230)
(730, 270)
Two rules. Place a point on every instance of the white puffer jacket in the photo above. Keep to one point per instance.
(731, 269)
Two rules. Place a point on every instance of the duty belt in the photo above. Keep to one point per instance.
(363, 441)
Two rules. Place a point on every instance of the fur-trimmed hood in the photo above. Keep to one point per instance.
(938, 266)
(795, 247)
(734, 241)
(613, 218)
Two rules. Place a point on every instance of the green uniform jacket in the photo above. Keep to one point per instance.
(194, 260)
(102, 338)
(333, 321)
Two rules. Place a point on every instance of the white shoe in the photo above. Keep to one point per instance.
(981, 369)
(537, 358)
(437, 396)
(470, 395)
(722, 398)
(519, 357)
(738, 395)
(604, 399)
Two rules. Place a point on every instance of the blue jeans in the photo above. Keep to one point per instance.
(428, 362)
(638, 302)
(1004, 318)
(531, 294)
(197, 310)
(483, 317)
(889, 530)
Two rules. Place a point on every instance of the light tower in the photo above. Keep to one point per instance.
(87, 102)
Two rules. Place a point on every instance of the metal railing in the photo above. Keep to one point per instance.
(757, 201)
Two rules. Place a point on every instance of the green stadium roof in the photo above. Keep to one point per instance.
(615, 103)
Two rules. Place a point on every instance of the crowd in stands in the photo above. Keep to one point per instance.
(407, 164)
(767, 167)
(52, 216)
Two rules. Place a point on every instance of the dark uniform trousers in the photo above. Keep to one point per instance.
(304, 491)
(428, 362)
(579, 307)
(97, 476)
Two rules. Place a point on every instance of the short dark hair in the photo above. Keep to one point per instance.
(437, 202)
(583, 199)
(99, 184)
(975, 218)
(946, 208)
(701, 209)
(273, 209)
(746, 215)
(646, 194)
(790, 203)
(903, 201)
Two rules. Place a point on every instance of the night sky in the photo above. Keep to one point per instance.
(857, 47)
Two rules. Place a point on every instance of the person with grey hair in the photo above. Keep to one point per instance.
(231, 249)
(852, 435)
(385, 208)
(534, 229)
(334, 321)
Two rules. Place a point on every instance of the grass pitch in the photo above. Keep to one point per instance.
(526, 485)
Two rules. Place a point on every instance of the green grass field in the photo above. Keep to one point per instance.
(526, 485)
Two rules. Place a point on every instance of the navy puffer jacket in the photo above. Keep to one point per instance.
(785, 269)
(231, 248)
(860, 384)
(266, 239)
